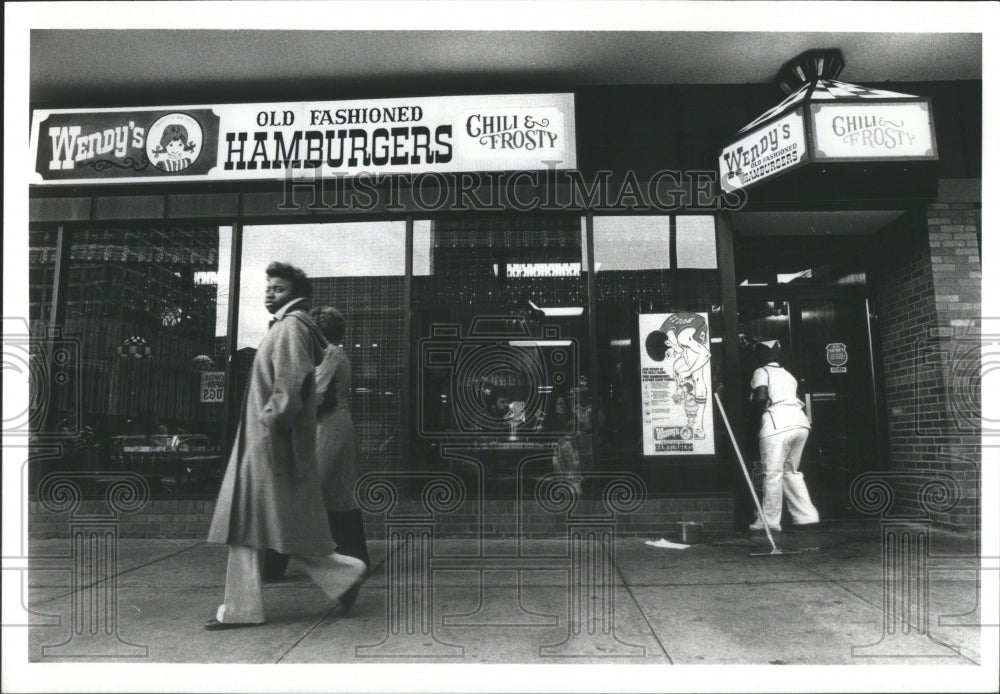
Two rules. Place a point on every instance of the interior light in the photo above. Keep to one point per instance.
(541, 269)
(557, 311)
(540, 343)
(785, 278)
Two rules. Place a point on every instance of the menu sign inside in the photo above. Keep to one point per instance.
(675, 374)
(266, 141)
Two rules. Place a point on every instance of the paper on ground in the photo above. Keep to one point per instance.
(666, 544)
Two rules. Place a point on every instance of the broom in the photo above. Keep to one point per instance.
(775, 551)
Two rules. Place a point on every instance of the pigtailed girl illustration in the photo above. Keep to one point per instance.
(174, 147)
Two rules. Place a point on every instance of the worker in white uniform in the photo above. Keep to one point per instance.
(784, 429)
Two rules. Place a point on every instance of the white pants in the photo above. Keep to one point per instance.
(780, 455)
(244, 599)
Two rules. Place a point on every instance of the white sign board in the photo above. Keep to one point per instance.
(213, 386)
(676, 376)
(763, 153)
(873, 131)
(240, 142)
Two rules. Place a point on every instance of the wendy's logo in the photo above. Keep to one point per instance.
(174, 142)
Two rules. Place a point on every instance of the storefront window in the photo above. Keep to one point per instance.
(696, 242)
(141, 389)
(360, 270)
(657, 311)
(500, 347)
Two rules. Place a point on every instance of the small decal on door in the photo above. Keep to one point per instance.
(836, 357)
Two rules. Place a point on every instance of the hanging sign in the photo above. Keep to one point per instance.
(238, 142)
(675, 374)
(822, 131)
(873, 131)
(764, 152)
(213, 386)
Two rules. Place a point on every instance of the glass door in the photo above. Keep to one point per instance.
(837, 386)
(826, 343)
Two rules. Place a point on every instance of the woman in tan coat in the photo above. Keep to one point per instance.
(336, 448)
(270, 496)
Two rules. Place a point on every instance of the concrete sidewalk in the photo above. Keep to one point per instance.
(535, 602)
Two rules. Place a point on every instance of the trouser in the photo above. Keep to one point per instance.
(244, 598)
(347, 529)
(780, 455)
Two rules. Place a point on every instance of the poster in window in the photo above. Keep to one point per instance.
(213, 386)
(675, 374)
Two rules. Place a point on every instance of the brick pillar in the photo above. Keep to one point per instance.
(927, 286)
(953, 230)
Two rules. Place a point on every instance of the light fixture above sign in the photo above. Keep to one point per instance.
(819, 64)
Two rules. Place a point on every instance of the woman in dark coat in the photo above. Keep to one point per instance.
(270, 496)
(336, 444)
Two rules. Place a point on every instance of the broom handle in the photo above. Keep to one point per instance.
(746, 473)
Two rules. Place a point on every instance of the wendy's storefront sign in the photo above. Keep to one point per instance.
(234, 142)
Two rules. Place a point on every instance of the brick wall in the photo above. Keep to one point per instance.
(654, 519)
(927, 288)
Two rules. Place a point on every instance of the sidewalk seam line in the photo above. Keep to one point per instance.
(120, 573)
(326, 616)
(879, 609)
(643, 613)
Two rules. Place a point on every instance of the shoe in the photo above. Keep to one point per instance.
(757, 525)
(350, 596)
(216, 625)
(805, 524)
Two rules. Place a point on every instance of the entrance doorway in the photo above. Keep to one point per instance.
(810, 291)
(827, 346)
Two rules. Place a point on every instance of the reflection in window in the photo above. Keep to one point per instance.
(500, 340)
(142, 307)
(696, 242)
(631, 243)
(359, 269)
(631, 259)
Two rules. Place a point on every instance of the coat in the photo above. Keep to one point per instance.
(270, 495)
(336, 445)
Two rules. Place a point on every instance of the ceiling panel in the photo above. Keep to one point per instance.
(89, 65)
